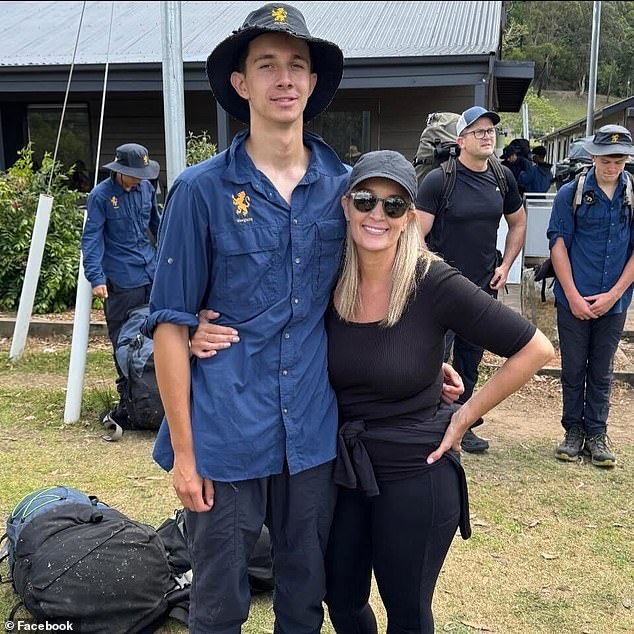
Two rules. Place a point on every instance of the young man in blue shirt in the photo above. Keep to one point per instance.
(591, 250)
(256, 232)
(118, 244)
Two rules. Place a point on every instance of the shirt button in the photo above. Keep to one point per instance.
(284, 372)
(170, 260)
(295, 300)
(297, 260)
(284, 411)
(287, 335)
(295, 221)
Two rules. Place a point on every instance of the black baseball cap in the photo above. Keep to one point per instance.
(385, 164)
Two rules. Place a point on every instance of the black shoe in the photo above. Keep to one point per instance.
(571, 445)
(472, 443)
(599, 448)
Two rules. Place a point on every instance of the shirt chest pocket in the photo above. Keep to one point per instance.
(249, 267)
(591, 217)
(116, 215)
(328, 251)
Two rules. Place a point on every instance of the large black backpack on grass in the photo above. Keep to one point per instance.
(260, 569)
(73, 558)
(135, 356)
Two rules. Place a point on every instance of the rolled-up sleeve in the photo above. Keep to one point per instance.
(184, 260)
(561, 224)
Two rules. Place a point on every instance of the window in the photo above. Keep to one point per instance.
(74, 145)
(347, 132)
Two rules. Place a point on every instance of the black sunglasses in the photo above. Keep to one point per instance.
(393, 206)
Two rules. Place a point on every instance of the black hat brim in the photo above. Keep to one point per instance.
(150, 172)
(326, 60)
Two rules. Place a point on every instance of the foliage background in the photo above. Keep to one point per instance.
(557, 36)
(20, 189)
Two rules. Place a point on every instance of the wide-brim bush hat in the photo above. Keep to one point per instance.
(133, 159)
(610, 139)
(326, 59)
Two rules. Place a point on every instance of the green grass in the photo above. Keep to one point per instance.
(571, 107)
(552, 547)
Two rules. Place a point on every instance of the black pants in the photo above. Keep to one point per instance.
(587, 355)
(116, 307)
(298, 511)
(403, 534)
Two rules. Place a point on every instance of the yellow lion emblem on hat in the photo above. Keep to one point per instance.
(146, 160)
(279, 15)
(241, 202)
(614, 138)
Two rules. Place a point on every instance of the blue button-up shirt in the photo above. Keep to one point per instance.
(599, 238)
(230, 242)
(115, 242)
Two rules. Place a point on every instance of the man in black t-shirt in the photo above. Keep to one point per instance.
(464, 233)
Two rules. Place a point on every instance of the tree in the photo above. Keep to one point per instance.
(557, 36)
(543, 117)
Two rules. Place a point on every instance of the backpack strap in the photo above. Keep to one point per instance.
(500, 175)
(580, 179)
(629, 194)
(448, 181)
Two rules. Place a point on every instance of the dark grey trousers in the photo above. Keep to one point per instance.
(587, 355)
(298, 511)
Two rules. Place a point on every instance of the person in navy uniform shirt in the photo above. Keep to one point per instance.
(591, 251)
(255, 232)
(119, 244)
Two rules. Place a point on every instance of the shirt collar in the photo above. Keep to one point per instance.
(323, 160)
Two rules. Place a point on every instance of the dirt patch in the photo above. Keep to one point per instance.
(534, 412)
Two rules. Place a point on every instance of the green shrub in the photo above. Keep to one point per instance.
(20, 188)
(199, 147)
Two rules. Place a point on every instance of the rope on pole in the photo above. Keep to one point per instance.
(83, 298)
(103, 95)
(70, 78)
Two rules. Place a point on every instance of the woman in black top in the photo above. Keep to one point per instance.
(402, 490)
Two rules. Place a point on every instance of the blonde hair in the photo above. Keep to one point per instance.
(411, 264)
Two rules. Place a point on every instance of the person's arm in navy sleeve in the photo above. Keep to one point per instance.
(559, 233)
(182, 277)
(93, 246)
(155, 218)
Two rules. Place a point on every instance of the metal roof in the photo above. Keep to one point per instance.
(44, 33)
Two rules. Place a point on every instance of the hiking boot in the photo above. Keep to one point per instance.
(599, 448)
(472, 443)
(571, 445)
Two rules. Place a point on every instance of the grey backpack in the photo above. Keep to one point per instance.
(437, 142)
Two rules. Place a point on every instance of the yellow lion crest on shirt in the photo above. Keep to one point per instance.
(241, 202)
